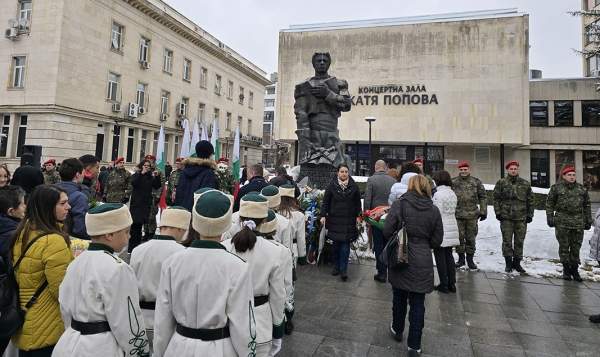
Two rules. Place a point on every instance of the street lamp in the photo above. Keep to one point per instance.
(370, 120)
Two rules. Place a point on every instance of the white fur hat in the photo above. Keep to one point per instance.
(177, 217)
(107, 218)
(211, 216)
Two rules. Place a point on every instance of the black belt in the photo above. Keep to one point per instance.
(203, 334)
(90, 328)
(261, 300)
(148, 305)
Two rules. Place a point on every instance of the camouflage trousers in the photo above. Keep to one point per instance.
(150, 227)
(513, 237)
(569, 244)
(467, 233)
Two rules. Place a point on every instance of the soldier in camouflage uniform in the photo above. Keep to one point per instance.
(118, 184)
(568, 209)
(174, 180)
(51, 176)
(513, 203)
(150, 227)
(471, 207)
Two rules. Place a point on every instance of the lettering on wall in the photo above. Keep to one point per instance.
(393, 94)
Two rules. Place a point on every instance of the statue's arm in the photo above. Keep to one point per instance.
(342, 101)
(301, 108)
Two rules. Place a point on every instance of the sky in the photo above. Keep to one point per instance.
(251, 27)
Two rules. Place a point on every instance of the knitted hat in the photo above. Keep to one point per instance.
(287, 190)
(211, 216)
(119, 160)
(269, 225)
(567, 169)
(253, 205)
(176, 217)
(463, 164)
(50, 161)
(204, 149)
(107, 218)
(271, 193)
(511, 163)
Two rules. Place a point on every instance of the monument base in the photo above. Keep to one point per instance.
(319, 175)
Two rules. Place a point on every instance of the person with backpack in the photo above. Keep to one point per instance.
(41, 253)
(71, 174)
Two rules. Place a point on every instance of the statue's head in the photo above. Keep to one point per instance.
(321, 62)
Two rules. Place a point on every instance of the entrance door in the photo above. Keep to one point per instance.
(540, 168)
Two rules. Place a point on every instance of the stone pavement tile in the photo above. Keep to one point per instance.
(483, 350)
(353, 331)
(493, 337)
(543, 346)
(561, 282)
(580, 349)
(364, 311)
(322, 305)
(519, 301)
(341, 348)
(487, 322)
(383, 337)
(378, 351)
(564, 319)
(445, 344)
(483, 308)
(594, 285)
(478, 297)
(520, 313)
(536, 328)
(300, 344)
(581, 334)
(556, 305)
(446, 316)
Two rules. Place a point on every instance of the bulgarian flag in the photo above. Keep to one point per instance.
(160, 165)
(235, 167)
(214, 139)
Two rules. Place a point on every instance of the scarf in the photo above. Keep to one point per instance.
(343, 184)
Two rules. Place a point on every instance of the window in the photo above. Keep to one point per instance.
(593, 65)
(538, 113)
(590, 112)
(217, 84)
(591, 32)
(164, 102)
(112, 93)
(167, 141)
(269, 116)
(168, 61)
(144, 50)
(187, 70)
(176, 146)
(4, 135)
(563, 158)
(216, 114)
(230, 90)
(99, 153)
(143, 144)
(183, 107)
(18, 72)
(155, 141)
(563, 113)
(116, 38)
(228, 121)
(142, 97)
(24, 14)
(271, 90)
(482, 154)
(540, 168)
(249, 126)
(267, 132)
(241, 97)
(591, 170)
(203, 77)
(130, 140)
(21, 134)
(250, 100)
(116, 141)
(269, 102)
(201, 111)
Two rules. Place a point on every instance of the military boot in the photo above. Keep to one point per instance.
(470, 262)
(461, 260)
(509, 264)
(575, 272)
(566, 272)
(517, 265)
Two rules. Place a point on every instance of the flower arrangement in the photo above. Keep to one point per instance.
(225, 178)
(311, 202)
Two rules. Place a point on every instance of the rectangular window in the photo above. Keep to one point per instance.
(591, 33)
(562, 159)
(203, 77)
(18, 72)
(250, 100)
(591, 170)
(228, 121)
(269, 102)
(114, 153)
(176, 146)
(267, 132)
(240, 123)
(168, 61)
(241, 97)
(563, 113)
(201, 111)
(116, 38)
(99, 152)
(217, 84)
(144, 50)
(4, 135)
(250, 127)
(269, 116)
(24, 15)
(216, 114)
(187, 69)
(21, 134)
(590, 112)
(230, 90)
(164, 102)
(183, 107)
(540, 168)
(141, 97)
(155, 141)
(130, 141)
(538, 113)
(593, 65)
(112, 92)
(482, 155)
(143, 144)
(271, 90)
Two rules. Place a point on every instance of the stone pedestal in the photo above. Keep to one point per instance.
(319, 175)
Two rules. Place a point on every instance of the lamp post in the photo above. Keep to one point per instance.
(370, 120)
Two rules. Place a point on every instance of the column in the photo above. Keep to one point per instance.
(13, 132)
(109, 130)
(577, 118)
(579, 165)
(137, 145)
(550, 113)
(552, 173)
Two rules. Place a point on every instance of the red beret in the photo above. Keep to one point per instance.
(179, 159)
(511, 163)
(567, 169)
(150, 157)
(50, 161)
(223, 159)
(419, 160)
(463, 164)
(119, 159)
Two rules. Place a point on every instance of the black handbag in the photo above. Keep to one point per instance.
(12, 316)
(395, 252)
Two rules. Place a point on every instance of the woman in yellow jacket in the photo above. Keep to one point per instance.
(45, 261)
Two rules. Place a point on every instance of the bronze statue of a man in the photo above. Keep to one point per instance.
(319, 103)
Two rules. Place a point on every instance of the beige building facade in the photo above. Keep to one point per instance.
(102, 77)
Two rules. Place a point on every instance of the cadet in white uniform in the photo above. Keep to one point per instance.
(284, 226)
(266, 273)
(147, 259)
(99, 296)
(289, 209)
(204, 303)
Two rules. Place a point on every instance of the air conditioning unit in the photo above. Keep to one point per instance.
(181, 110)
(132, 111)
(116, 107)
(144, 64)
(164, 116)
(11, 33)
(141, 110)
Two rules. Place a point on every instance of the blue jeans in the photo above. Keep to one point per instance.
(416, 317)
(341, 253)
(378, 245)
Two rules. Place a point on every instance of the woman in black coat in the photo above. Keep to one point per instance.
(340, 210)
(142, 182)
(423, 224)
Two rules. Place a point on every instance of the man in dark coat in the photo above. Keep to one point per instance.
(72, 174)
(256, 183)
(143, 182)
(283, 178)
(199, 172)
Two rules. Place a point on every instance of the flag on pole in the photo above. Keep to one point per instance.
(214, 139)
(185, 145)
(160, 165)
(235, 167)
(195, 137)
(204, 132)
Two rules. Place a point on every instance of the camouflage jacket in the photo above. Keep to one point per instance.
(471, 197)
(174, 180)
(568, 204)
(157, 192)
(118, 186)
(513, 199)
(51, 177)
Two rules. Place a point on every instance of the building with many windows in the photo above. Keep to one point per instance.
(102, 76)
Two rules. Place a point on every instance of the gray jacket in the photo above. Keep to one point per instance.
(378, 190)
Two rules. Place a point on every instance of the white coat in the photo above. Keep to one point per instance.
(595, 239)
(298, 234)
(283, 234)
(98, 286)
(445, 200)
(400, 188)
(287, 265)
(204, 286)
